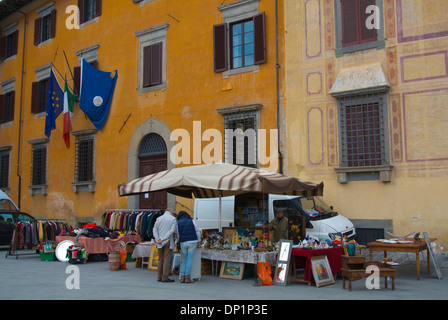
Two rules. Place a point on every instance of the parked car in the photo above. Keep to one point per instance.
(9, 215)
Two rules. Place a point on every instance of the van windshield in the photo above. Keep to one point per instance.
(315, 207)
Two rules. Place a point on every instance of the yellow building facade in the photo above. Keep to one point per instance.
(366, 96)
(187, 71)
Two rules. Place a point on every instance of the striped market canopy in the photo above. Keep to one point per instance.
(219, 179)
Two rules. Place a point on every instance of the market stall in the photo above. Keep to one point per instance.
(219, 180)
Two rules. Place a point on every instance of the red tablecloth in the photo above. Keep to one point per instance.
(303, 259)
(97, 245)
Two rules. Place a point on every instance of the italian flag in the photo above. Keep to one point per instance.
(69, 102)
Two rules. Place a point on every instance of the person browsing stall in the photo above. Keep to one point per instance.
(164, 229)
(189, 236)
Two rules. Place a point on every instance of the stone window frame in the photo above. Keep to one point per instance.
(240, 112)
(148, 37)
(364, 173)
(85, 185)
(340, 50)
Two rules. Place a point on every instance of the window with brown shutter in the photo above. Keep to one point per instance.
(9, 45)
(3, 47)
(4, 169)
(45, 28)
(89, 9)
(39, 96)
(7, 107)
(246, 41)
(2, 107)
(354, 17)
(152, 61)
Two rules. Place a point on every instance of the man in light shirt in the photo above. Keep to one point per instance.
(164, 229)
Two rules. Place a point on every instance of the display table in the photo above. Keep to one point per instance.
(142, 250)
(301, 258)
(403, 247)
(97, 245)
(242, 256)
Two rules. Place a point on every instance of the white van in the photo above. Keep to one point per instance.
(321, 221)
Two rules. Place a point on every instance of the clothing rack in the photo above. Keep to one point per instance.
(27, 235)
(140, 221)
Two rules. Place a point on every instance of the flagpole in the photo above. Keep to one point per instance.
(60, 74)
(73, 78)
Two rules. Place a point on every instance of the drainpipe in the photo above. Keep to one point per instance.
(20, 109)
(20, 112)
(277, 67)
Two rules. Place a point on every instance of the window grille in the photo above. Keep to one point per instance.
(84, 161)
(152, 145)
(39, 165)
(240, 142)
(362, 122)
(4, 170)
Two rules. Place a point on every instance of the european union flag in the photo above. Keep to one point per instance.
(97, 90)
(55, 104)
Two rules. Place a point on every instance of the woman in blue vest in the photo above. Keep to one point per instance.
(189, 236)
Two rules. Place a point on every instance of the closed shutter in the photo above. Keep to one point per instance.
(35, 97)
(2, 108)
(260, 38)
(152, 61)
(146, 64)
(37, 31)
(220, 47)
(366, 34)
(98, 8)
(349, 22)
(82, 15)
(2, 48)
(15, 36)
(156, 64)
(77, 80)
(4, 170)
(9, 108)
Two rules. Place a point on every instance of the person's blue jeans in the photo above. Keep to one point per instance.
(187, 248)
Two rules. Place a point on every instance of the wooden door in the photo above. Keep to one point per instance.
(149, 165)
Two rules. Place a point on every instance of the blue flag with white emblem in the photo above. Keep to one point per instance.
(55, 104)
(97, 90)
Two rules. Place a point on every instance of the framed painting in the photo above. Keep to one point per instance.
(232, 270)
(281, 276)
(321, 271)
(153, 258)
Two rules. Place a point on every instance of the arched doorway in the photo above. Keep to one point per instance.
(152, 155)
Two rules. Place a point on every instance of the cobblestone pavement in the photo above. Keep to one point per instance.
(29, 278)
